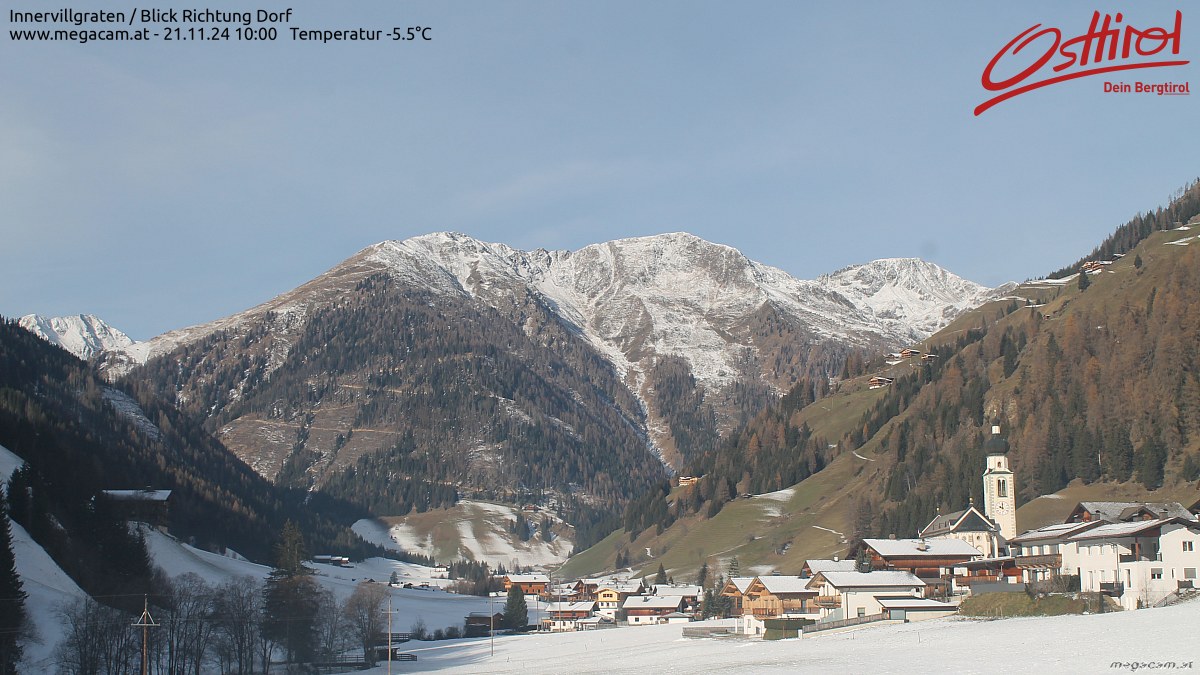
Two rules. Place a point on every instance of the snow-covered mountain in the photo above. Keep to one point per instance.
(678, 294)
(657, 308)
(83, 335)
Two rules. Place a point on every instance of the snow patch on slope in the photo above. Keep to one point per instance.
(132, 411)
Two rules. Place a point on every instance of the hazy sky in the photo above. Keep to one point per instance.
(165, 184)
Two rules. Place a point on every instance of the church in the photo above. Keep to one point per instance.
(990, 529)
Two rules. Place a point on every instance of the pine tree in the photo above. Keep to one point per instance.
(12, 598)
(734, 569)
(516, 611)
(702, 577)
(1084, 282)
(661, 577)
(290, 598)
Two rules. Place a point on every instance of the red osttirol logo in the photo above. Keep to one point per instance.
(1105, 42)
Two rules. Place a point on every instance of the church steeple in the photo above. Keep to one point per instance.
(999, 488)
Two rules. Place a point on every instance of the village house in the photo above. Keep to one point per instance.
(530, 584)
(813, 567)
(987, 574)
(565, 616)
(929, 559)
(585, 589)
(610, 597)
(735, 590)
(1046, 553)
(641, 610)
(689, 594)
(1124, 512)
(776, 595)
(1139, 563)
(845, 595)
(478, 624)
(909, 353)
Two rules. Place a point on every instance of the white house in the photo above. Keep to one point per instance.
(1047, 552)
(1139, 563)
(843, 595)
(565, 616)
(641, 610)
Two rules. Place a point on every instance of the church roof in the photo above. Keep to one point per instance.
(969, 519)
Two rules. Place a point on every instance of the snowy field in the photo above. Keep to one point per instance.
(436, 608)
(475, 529)
(1058, 645)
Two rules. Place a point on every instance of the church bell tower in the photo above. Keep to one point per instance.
(999, 489)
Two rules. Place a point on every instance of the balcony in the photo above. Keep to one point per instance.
(1131, 558)
(1047, 561)
(828, 601)
(1112, 589)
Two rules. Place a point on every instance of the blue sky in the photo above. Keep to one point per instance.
(160, 184)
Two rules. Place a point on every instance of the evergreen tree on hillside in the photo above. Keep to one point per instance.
(516, 610)
(12, 598)
(661, 577)
(290, 598)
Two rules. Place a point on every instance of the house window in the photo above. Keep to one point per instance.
(1155, 572)
(1002, 488)
(1187, 546)
(1189, 573)
(862, 611)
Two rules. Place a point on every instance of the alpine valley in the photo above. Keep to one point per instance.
(421, 371)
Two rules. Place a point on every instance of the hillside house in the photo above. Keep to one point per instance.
(1141, 562)
(565, 616)
(878, 382)
(530, 584)
(776, 595)
(586, 589)
(929, 559)
(642, 610)
(152, 507)
(983, 575)
(735, 590)
(845, 595)
(909, 353)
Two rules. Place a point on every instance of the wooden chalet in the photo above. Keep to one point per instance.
(774, 596)
(685, 481)
(530, 584)
(878, 382)
(565, 616)
(690, 594)
(478, 624)
(976, 575)
(909, 353)
(585, 589)
(643, 610)
(924, 558)
(144, 506)
(735, 590)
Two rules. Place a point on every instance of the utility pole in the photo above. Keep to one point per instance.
(145, 622)
(390, 612)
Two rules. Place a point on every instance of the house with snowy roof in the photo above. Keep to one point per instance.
(932, 560)
(813, 567)
(1045, 553)
(565, 616)
(1123, 512)
(778, 595)
(1141, 562)
(642, 610)
(530, 584)
(144, 506)
(845, 595)
(735, 590)
(610, 597)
